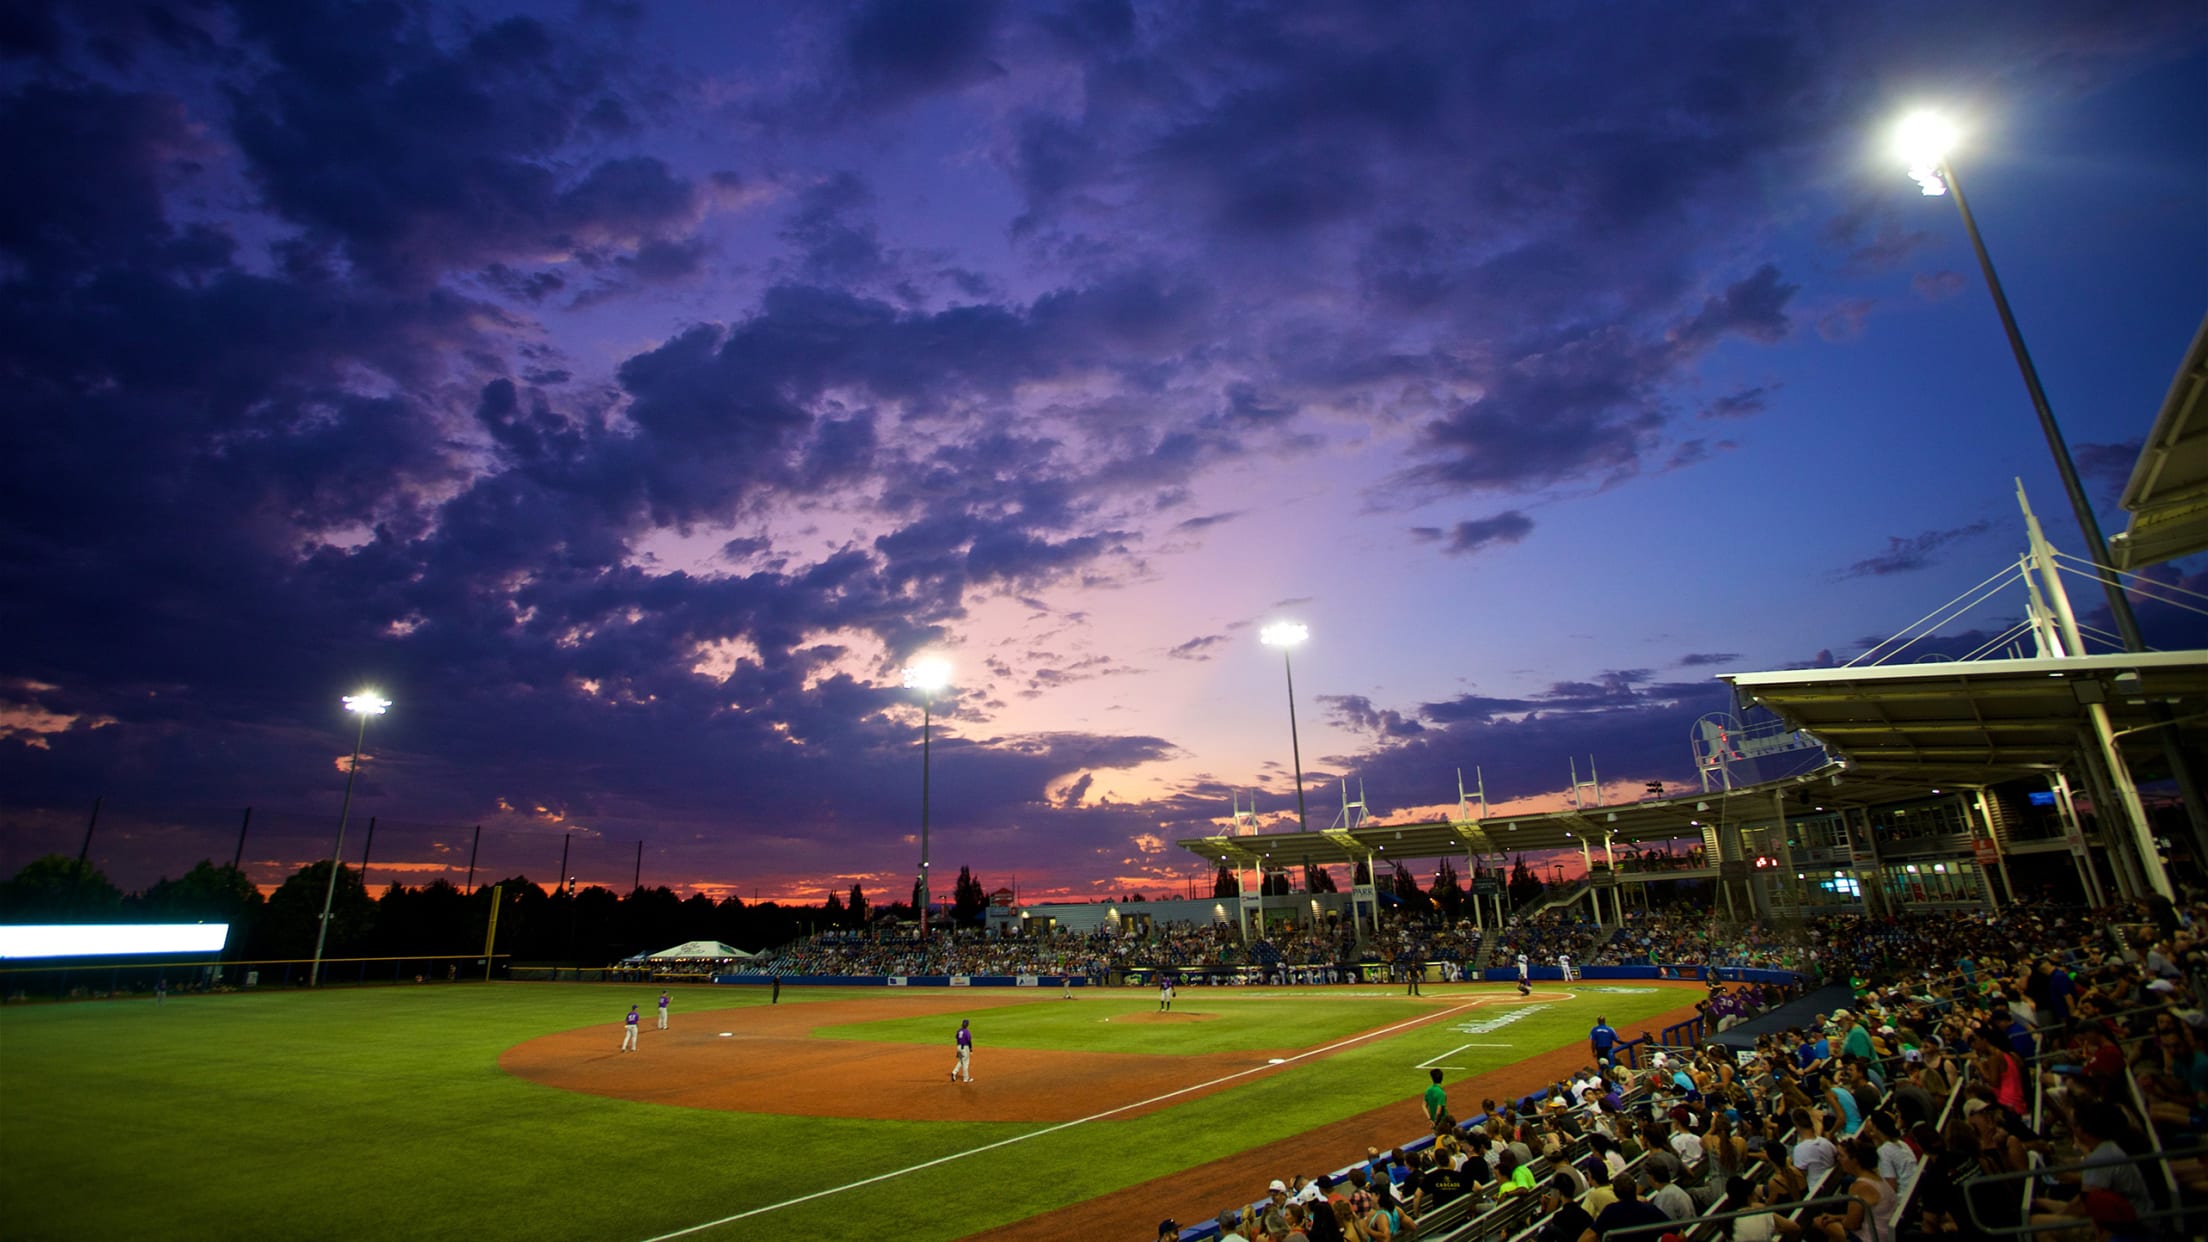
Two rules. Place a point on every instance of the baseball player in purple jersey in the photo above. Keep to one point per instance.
(663, 1011)
(963, 1071)
(628, 1031)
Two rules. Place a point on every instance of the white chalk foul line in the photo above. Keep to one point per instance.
(1063, 1125)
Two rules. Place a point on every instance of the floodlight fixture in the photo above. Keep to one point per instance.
(1923, 141)
(367, 703)
(1284, 634)
(928, 674)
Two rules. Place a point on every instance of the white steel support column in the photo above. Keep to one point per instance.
(2123, 866)
(2119, 772)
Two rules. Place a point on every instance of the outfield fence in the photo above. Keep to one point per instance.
(90, 979)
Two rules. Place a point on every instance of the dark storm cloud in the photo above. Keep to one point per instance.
(1704, 659)
(1753, 307)
(1905, 554)
(1509, 526)
(89, 167)
(831, 229)
(896, 50)
(1356, 712)
(416, 158)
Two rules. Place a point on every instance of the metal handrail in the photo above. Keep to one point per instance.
(1632, 1231)
(2177, 1211)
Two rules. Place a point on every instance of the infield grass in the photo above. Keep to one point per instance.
(378, 1113)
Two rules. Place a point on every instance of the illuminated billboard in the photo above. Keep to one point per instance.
(110, 939)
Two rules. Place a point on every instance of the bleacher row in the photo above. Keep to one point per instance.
(2106, 1146)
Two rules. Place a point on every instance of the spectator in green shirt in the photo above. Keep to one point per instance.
(1437, 1101)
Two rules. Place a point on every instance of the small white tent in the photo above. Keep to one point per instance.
(697, 950)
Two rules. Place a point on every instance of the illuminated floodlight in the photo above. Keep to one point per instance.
(1923, 140)
(367, 703)
(1284, 634)
(928, 674)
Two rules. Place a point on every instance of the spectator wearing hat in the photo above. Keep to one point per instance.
(1169, 1230)
(1272, 1221)
(1230, 1226)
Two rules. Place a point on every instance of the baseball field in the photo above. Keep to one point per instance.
(494, 1111)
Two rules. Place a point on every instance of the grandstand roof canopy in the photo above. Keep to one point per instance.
(1901, 732)
(1633, 823)
(2168, 493)
(1978, 722)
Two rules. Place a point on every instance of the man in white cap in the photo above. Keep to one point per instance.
(1273, 1221)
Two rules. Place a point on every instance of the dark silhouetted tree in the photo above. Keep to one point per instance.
(207, 892)
(295, 910)
(1224, 884)
(1525, 887)
(1406, 887)
(968, 902)
(1447, 892)
(59, 889)
(1318, 880)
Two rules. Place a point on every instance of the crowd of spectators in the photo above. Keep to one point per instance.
(1989, 1073)
(1093, 955)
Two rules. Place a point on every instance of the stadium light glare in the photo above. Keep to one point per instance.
(1923, 140)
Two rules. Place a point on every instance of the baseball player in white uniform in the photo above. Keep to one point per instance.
(1525, 987)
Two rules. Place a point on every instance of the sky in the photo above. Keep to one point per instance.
(629, 391)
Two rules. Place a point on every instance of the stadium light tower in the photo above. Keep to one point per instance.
(1924, 140)
(365, 704)
(1289, 635)
(928, 675)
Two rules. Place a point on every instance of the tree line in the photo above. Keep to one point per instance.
(592, 925)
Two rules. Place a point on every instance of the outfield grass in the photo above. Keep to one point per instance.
(383, 1113)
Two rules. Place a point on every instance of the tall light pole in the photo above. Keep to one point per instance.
(1924, 140)
(928, 675)
(1289, 635)
(365, 704)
